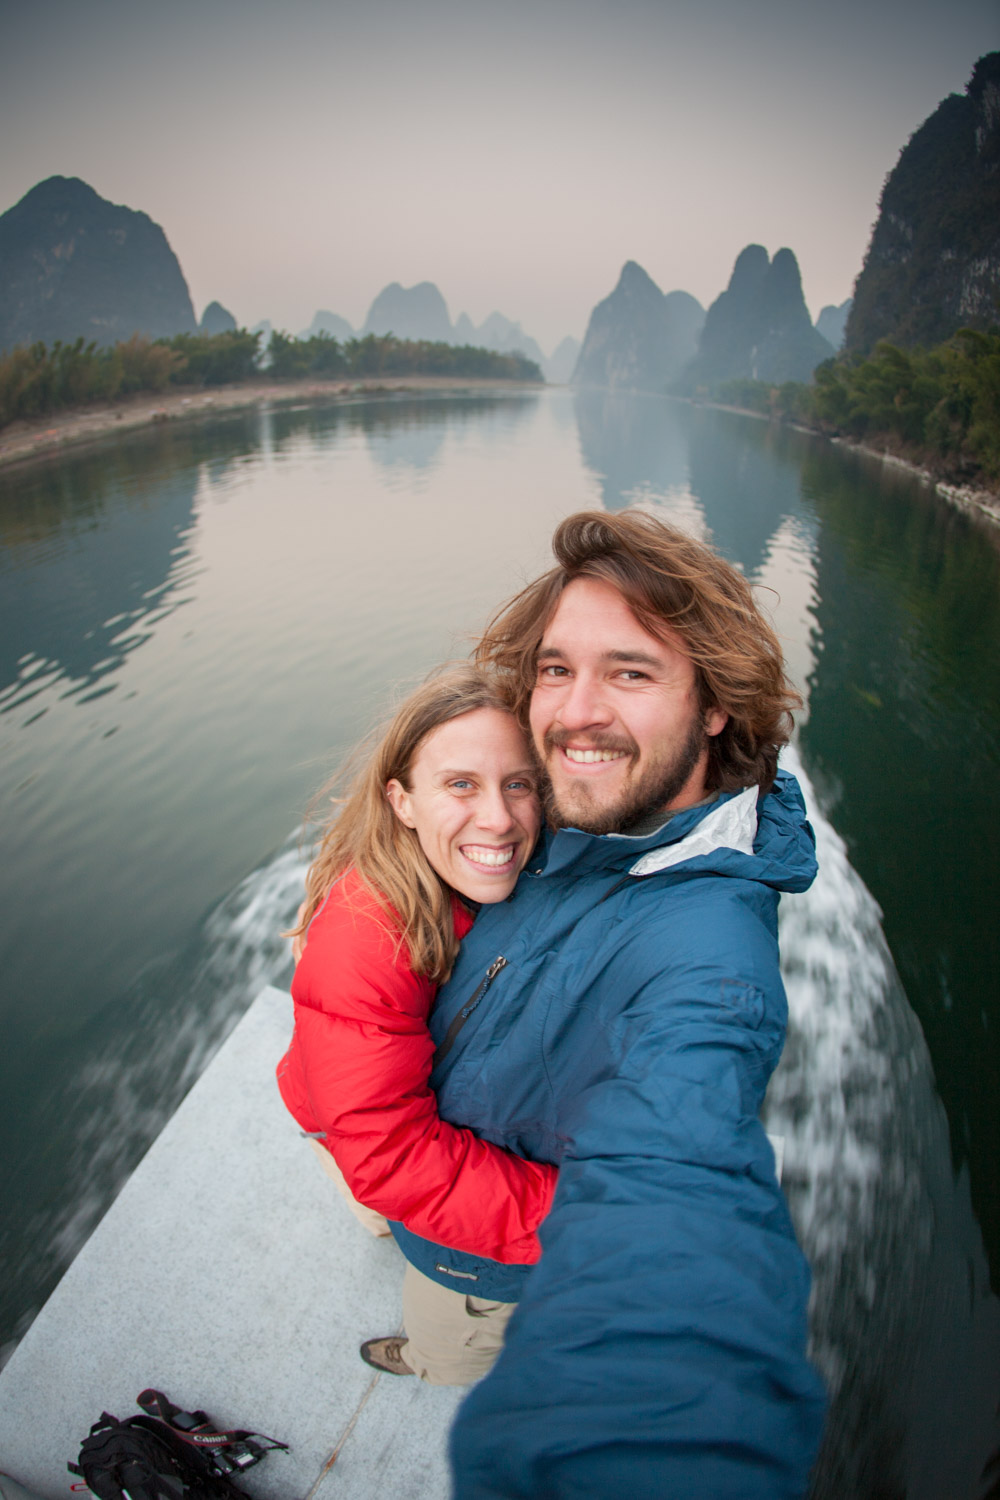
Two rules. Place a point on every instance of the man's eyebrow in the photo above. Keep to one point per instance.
(635, 658)
(641, 658)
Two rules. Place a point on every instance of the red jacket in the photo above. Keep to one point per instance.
(357, 1071)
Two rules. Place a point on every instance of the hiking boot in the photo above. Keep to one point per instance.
(383, 1354)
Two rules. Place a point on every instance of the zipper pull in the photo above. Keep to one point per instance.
(484, 984)
(463, 1015)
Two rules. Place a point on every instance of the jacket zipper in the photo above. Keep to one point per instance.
(449, 1037)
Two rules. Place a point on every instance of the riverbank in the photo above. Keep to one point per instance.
(43, 436)
(977, 502)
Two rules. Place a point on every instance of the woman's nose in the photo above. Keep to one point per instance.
(492, 812)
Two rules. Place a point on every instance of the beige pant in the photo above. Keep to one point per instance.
(373, 1222)
(453, 1337)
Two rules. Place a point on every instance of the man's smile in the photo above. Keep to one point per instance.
(589, 757)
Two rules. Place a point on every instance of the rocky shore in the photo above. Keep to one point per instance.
(979, 502)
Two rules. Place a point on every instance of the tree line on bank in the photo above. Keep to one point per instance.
(38, 380)
(937, 407)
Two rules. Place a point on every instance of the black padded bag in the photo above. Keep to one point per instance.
(175, 1455)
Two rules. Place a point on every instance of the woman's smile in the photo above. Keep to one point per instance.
(473, 802)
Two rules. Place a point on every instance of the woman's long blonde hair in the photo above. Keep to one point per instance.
(366, 834)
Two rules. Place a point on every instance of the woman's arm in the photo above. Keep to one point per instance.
(361, 1057)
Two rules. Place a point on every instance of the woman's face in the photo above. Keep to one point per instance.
(473, 802)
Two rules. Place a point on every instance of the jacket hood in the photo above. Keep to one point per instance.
(741, 834)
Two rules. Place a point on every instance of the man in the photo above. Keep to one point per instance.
(621, 1014)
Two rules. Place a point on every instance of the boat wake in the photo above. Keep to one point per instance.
(896, 1255)
(160, 1037)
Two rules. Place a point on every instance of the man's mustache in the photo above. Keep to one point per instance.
(594, 739)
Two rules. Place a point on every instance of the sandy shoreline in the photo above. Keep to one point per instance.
(43, 436)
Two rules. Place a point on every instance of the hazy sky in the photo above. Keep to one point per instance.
(303, 155)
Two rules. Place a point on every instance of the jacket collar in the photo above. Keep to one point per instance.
(765, 839)
(726, 825)
(694, 830)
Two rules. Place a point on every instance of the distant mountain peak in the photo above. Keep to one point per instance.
(832, 321)
(933, 263)
(759, 328)
(749, 268)
(634, 279)
(637, 338)
(73, 264)
(415, 312)
(330, 323)
(216, 319)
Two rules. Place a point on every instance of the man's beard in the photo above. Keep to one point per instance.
(661, 781)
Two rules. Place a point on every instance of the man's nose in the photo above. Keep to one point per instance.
(583, 706)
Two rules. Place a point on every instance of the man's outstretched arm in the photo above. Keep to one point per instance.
(660, 1346)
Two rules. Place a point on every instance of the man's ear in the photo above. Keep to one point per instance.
(715, 721)
(399, 801)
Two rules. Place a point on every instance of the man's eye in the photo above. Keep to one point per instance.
(460, 785)
(552, 671)
(521, 786)
(632, 674)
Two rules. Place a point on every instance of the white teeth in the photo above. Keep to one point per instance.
(490, 856)
(588, 757)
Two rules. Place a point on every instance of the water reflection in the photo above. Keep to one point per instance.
(636, 446)
(401, 431)
(93, 550)
(903, 738)
(747, 482)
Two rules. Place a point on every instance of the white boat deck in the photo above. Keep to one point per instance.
(230, 1275)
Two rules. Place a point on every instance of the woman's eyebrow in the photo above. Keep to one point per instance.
(526, 770)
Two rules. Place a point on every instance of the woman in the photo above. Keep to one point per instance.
(442, 817)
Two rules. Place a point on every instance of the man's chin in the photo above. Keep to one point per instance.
(576, 809)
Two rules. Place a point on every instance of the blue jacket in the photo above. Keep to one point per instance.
(629, 1036)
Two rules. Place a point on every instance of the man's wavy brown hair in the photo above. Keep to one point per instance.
(680, 590)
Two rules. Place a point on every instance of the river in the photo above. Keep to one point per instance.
(195, 623)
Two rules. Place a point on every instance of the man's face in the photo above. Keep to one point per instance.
(614, 714)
